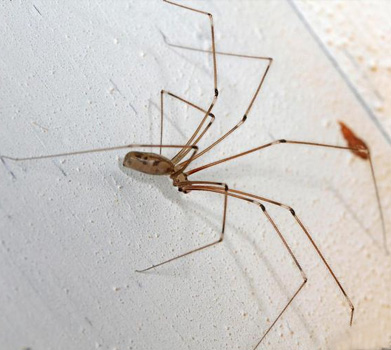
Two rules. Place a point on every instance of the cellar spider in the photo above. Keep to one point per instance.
(178, 170)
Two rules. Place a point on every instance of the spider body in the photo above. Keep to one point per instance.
(156, 164)
(149, 163)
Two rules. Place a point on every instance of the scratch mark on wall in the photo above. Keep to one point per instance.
(36, 9)
(88, 321)
(40, 126)
(61, 169)
(8, 169)
(337, 67)
(133, 109)
(114, 88)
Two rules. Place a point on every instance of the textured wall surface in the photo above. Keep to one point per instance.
(81, 75)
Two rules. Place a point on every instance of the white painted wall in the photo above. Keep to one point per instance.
(80, 75)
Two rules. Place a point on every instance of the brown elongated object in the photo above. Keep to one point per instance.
(353, 141)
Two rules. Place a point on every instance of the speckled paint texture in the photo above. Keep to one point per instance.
(81, 75)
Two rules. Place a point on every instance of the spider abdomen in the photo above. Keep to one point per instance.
(149, 163)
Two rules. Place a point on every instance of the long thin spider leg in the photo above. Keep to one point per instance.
(187, 186)
(249, 107)
(183, 153)
(303, 228)
(197, 131)
(217, 52)
(281, 313)
(285, 243)
(212, 35)
(106, 149)
(378, 203)
(312, 144)
(303, 275)
(266, 145)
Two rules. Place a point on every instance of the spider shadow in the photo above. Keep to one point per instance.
(337, 194)
(172, 124)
